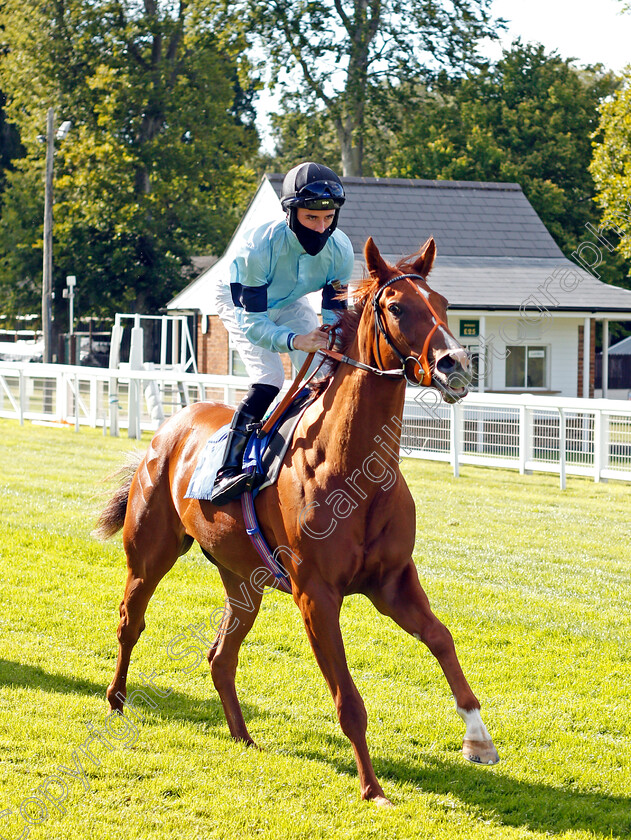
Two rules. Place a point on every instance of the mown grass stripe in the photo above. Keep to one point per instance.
(534, 584)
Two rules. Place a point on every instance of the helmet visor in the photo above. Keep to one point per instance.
(319, 195)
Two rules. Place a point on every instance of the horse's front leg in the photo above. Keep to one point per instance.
(320, 610)
(401, 597)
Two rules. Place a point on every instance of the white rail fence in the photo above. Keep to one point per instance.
(527, 433)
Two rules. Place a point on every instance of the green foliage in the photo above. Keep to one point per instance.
(21, 240)
(9, 144)
(304, 136)
(528, 119)
(611, 167)
(344, 51)
(533, 582)
(155, 168)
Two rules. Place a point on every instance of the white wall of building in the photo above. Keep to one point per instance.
(558, 334)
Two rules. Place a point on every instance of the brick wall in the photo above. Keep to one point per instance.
(213, 349)
(212, 346)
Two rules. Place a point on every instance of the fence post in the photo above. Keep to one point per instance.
(94, 391)
(562, 447)
(22, 396)
(454, 437)
(62, 395)
(598, 423)
(135, 385)
(601, 443)
(76, 403)
(523, 439)
(113, 403)
(117, 334)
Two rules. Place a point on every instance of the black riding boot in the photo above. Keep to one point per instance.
(231, 481)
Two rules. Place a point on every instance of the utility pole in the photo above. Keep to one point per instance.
(47, 284)
(47, 273)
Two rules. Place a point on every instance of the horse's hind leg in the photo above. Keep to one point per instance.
(151, 550)
(242, 605)
(404, 600)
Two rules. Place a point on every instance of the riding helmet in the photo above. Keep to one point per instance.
(312, 186)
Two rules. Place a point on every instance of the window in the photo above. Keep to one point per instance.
(526, 366)
(235, 362)
(474, 353)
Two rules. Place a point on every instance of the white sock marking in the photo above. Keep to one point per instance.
(476, 730)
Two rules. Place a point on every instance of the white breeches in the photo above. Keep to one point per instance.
(264, 366)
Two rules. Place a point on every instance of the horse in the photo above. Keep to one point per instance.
(340, 512)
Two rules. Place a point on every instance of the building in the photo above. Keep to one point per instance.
(618, 369)
(526, 312)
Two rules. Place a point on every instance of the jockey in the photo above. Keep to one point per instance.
(264, 307)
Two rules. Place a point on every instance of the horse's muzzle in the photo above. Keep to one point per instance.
(452, 374)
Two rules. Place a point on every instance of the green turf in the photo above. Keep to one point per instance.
(532, 581)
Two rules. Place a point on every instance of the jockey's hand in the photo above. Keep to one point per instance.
(309, 343)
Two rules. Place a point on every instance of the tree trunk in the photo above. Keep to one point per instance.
(352, 155)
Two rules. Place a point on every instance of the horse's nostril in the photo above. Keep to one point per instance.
(452, 368)
(447, 365)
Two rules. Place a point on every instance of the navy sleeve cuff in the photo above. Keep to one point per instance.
(290, 341)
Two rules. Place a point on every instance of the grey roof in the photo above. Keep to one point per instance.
(466, 218)
(621, 348)
(494, 253)
(493, 250)
(497, 283)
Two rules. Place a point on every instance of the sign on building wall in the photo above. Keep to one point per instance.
(469, 329)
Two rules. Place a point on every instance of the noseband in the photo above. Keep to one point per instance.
(421, 363)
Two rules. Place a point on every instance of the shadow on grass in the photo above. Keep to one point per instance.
(177, 706)
(32, 676)
(519, 803)
(511, 802)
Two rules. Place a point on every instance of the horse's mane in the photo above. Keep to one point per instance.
(348, 321)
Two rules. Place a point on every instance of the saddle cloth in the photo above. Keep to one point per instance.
(262, 455)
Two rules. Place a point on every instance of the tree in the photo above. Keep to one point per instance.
(346, 52)
(10, 147)
(156, 165)
(611, 168)
(528, 119)
(299, 136)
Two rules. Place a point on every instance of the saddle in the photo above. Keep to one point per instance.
(263, 456)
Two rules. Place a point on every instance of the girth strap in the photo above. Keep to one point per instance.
(258, 541)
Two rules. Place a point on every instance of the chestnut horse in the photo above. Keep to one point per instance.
(340, 510)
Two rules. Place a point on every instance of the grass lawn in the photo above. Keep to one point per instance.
(533, 582)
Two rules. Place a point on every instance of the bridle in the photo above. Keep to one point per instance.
(420, 363)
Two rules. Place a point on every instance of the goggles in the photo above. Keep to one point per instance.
(319, 195)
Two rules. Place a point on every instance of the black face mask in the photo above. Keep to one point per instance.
(311, 240)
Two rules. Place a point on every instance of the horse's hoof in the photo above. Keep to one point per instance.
(480, 752)
(114, 701)
(246, 741)
(382, 802)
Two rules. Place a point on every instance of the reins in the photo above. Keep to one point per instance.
(421, 363)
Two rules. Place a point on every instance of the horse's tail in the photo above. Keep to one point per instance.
(112, 516)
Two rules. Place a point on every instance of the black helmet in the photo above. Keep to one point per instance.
(313, 186)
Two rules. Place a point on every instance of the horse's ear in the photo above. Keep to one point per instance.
(376, 265)
(425, 260)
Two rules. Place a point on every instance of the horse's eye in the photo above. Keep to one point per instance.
(395, 309)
